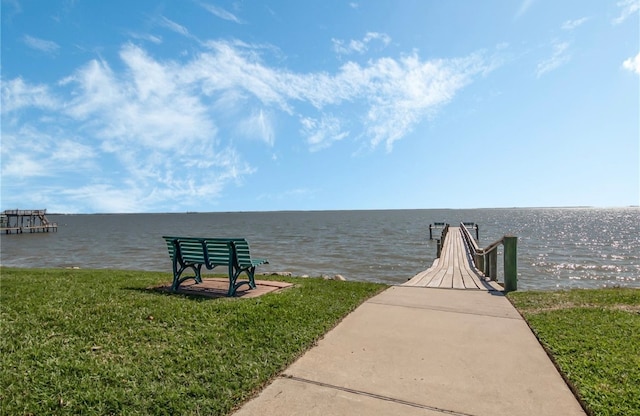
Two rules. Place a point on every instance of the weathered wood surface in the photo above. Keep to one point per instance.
(34, 229)
(13, 220)
(454, 269)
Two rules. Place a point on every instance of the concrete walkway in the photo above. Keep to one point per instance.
(423, 351)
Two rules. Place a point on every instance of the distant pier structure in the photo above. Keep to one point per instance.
(26, 220)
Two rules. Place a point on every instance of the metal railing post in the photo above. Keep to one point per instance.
(510, 263)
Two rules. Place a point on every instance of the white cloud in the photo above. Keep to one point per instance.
(17, 94)
(628, 7)
(359, 46)
(42, 45)
(155, 124)
(322, 133)
(221, 13)
(632, 64)
(572, 24)
(397, 93)
(147, 105)
(258, 125)
(70, 151)
(30, 151)
(21, 165)
(559, 57)
(107, 198)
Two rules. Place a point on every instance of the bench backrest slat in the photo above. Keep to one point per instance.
(242, 251)
(217, 250)
(192, 251)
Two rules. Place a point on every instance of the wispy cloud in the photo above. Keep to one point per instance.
(632, 64)
(628, 7)
(221, 13)
(342, 47)
(322, 133)
(524, 7)
(146, 36)
(17, 94)
(572, 24)
(150, 117)
(173, 26)
(42, 45)
(22, 165)
(258, 125)
(31, 152)
(559, 57)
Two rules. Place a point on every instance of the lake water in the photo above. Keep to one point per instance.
(557, 247)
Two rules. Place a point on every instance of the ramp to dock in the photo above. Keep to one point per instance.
(454, 269)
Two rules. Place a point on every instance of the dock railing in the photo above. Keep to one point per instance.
(435, 226)
(486, 259)
(440, 241)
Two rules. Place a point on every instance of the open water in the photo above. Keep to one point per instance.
(557, 247)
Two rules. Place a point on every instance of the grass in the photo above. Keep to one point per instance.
(99, 342)
(594, 338)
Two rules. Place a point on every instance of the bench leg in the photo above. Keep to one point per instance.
(233, 279)
(177, 273)
(251, 272)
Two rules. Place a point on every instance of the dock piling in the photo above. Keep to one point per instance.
(510, 263)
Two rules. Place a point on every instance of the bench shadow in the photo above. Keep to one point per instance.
(187, 294)
(215, 288)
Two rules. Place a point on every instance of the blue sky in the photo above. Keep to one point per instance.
(200, 105)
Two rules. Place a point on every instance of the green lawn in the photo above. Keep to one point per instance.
(594, 337)
(99, 342)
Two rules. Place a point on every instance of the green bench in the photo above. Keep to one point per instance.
(194, 252)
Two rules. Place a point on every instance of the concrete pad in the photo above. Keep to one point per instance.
(217, 287)
(292, 397)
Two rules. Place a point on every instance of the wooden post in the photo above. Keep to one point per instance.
(493, 264)
(477, 233)
(438, 249)
(430, 232)
(510, 263)
(479, 260)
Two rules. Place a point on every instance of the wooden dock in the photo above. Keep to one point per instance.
(26, 220)
(454, 269)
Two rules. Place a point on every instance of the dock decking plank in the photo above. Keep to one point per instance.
(454, 269)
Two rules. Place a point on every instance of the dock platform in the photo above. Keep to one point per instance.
(26, 220)
(454, 269)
